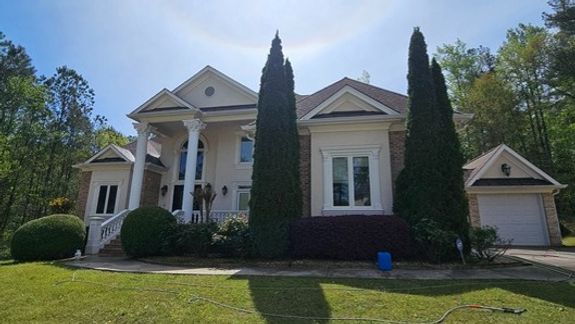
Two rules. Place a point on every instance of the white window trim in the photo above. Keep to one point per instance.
(372, 152)
(97, 186)
(238, 163)
(237, 190)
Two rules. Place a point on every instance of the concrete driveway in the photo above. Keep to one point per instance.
(562, 258)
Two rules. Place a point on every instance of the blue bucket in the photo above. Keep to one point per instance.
(384, 261)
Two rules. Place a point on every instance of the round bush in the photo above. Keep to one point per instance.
(48, 238)
(146, 231)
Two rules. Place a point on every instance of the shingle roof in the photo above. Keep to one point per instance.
(153, 154)
(393, 100)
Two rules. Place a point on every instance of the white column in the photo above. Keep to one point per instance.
(194, 127)
(138, 170)
(327, 181)
(94, 235)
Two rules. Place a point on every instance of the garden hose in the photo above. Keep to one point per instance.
(214, 302)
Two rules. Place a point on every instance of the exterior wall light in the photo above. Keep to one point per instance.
(224, 190)
(164, 190)
(506, 169)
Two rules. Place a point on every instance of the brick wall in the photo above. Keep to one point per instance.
(552, 219)
(396, 150)
(83, 191)
(474, 219)
(150, 188)
(305, 173)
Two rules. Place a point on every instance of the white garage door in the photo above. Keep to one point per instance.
(519, 217)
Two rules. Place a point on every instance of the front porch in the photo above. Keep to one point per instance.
(102, 231)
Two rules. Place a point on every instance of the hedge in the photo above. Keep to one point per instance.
(146, 231)
(48, 238)
(357, 237)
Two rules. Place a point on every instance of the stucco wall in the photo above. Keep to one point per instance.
(119, 175)
(221, 151)
(518, 170)
(350, 136)
(224, 94)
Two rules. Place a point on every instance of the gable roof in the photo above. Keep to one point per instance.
(167, 93)
(209, 69)
(390, 99)
(481, 164)
(122, 155)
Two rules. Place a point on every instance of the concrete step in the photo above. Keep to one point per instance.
(113, 248)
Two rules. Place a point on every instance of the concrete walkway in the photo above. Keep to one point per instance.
(564, 258)
(128, 265)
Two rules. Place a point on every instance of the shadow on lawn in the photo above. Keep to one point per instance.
(269, 294)
(309, 302)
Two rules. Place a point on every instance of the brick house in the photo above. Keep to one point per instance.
(352, 139)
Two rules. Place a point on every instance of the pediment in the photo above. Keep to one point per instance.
(211, 88)
(349, 102)
(112, 153)
(163, 101)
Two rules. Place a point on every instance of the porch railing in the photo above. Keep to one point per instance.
(103, 230)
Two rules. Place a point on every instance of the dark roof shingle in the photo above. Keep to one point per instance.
(388, 98)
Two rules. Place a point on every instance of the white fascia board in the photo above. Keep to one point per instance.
(352, 91)
(353, 119)
(521, 159)
(163, 92)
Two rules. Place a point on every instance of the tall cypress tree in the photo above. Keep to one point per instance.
(275, 193)
(416, 196)
(452, 200)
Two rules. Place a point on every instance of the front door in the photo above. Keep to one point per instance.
(179, 197)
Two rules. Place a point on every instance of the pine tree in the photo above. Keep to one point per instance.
(416, 193)
(275, 193)
(453, 201)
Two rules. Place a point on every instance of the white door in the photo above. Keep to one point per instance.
(519, 217)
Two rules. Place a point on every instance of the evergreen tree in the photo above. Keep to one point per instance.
(453, 201)
(416, 193)
(275, 193)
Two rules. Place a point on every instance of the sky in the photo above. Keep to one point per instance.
(128, 50)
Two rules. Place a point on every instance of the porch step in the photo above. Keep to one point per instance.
(113, 249)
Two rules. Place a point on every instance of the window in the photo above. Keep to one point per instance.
(351, 181)
(243, 198)
(351, 178)
(107, 195)
(246, 150)
(199, 161)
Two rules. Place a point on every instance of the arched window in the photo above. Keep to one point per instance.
(199, 161)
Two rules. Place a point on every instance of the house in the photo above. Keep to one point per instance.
(351, 140)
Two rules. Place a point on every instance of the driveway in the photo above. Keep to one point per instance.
(563, 258)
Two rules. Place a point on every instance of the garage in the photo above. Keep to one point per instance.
(508, 192)
(518, 217)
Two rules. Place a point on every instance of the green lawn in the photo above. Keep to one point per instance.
(42, 292)
(569, 241)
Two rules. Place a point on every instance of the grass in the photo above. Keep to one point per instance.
(568, 241)
(43, 292)
(234, 263)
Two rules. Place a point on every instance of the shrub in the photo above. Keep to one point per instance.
(193, 238)
(486, 243)
(233, 237)
(349, 237)
(48, 238)
(434, 243)
(61, 205)
(146, 230)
